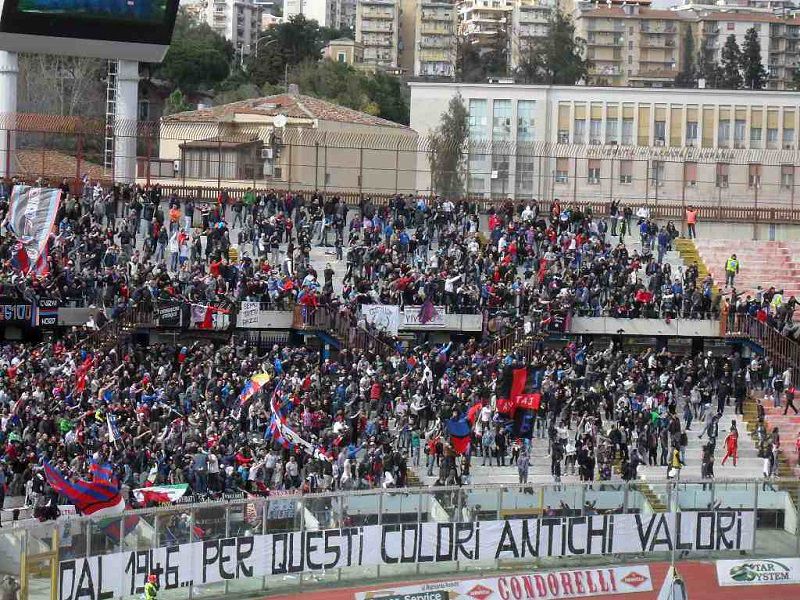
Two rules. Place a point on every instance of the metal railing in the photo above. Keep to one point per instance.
(243, 547)
(784, 351)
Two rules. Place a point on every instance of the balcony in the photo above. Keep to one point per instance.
(378, 14)
(606, 41)
(605, 27)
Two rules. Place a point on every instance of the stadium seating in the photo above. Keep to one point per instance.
(761, 263)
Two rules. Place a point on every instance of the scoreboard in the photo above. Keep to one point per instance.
(124, 29)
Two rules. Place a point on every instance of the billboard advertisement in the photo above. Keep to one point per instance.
(125, 29)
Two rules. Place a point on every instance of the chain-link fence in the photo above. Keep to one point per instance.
(207, 157)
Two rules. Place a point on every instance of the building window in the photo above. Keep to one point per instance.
(787, 176)
(657, 173)
(722, 175)
(501, 120)
(627, 132)
(612, 126)
(723, 133)
(595, 131)
(524, 175)
(731, 26)
(563, 136)
(755, 137)
(579, 135)
(341, 57)
(525, 120)
(772, 137)
(754, 175)
(660, 132)
(691, 133)
(593, 176)
(478, 119)
(788, 139)
(144, 110)
(739, 128)
(562, 170)
(626, 171)
(690, 174)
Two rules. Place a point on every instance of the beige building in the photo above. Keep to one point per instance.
(702, 147)
(238, 21)
(344, 50)
(481, 21)
(632, 45)
(434, 48)
(529, 21)
(378, 30)
(286, 141)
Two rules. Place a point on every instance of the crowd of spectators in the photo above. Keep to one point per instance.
(177, 411)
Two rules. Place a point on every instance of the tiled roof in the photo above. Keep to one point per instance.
(52, 163)
(299, 107)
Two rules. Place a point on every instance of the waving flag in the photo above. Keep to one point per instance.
(253, 386)
(460, 434)
(280, 431)
(30, 218)
(161, 494)
(517, 401)
(96, 498)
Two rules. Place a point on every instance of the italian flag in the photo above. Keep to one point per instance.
(160, 494)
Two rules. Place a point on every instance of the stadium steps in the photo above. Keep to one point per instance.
(690, 255)
(788, 427)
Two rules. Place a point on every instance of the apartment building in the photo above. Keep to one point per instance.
(435, 43)
(378, 31)
(783, 53)
(702, 147)
(328, 13)
(238, 21)
(481, 21)
(632, 46)
(529, 21)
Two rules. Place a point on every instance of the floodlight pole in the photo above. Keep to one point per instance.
(9, 69)
(125, 121)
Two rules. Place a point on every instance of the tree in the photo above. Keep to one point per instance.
(176, 102)
(687, 77)
(198, 57)
(469, 66)
(446, 145)
(708, 69)
(556, 58)
(495, 61)
(753, 72)
(731, 76)
(379, 94)
(62, 85)
(282, 47)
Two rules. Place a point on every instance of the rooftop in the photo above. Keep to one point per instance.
(292, 106)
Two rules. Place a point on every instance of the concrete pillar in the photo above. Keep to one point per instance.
(9, 68)
(127, 102)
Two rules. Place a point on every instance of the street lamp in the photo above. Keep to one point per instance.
(272, 41)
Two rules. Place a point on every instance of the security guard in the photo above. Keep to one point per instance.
(731, 269)
(151, 587)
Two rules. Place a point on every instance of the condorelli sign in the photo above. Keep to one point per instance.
(203, 562)
(544, 585)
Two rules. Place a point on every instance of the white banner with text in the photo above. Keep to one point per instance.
(210, 561)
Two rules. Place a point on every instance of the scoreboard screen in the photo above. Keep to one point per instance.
(125, 29)
(152, 11)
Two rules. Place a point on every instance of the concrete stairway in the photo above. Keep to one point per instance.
(762, 263)
(748, 465)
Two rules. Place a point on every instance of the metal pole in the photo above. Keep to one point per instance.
(647, 183)
(316, 166)
(611, 186)
(575, 182)
(361, 172)
(149, 153)
(78, 159)
(289, 176)
(325, 160)
(219, 165)
(755, 212)
(396, 165)
(683, 198)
